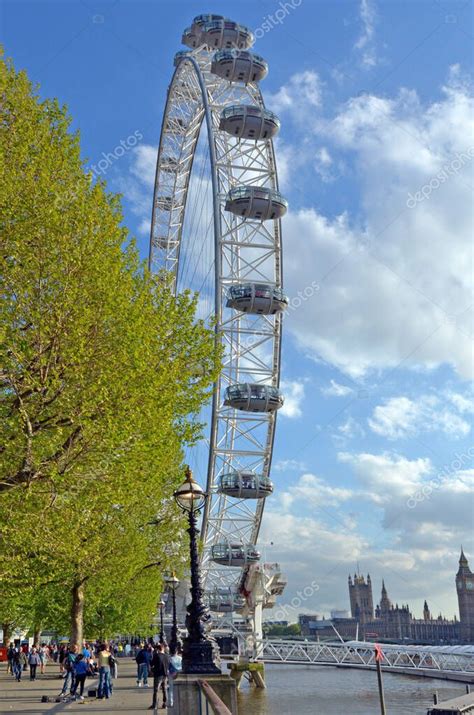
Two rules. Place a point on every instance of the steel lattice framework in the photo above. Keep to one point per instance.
(244, 250)
(419, 660)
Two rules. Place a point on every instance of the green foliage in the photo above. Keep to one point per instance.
(293, 629)
(98, 382)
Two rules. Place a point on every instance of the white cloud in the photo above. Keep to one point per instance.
(337, 390)
(405, 546)
(415, 500)
(314, 491)
(400, 417)
(286, 465)
(144, 164)
(365, 43)
(395, 283)
(293, 392)
(384, 475)
(350, 429)
(301, 94)
(325, 167)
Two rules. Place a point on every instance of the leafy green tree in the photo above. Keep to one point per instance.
(98, 381)
(292, 629)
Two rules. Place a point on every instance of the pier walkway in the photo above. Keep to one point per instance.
(447, 662)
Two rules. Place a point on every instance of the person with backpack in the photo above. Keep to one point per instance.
(81, 669)
(175, 667)
(18, 660)
(68, 664)
(159, 667)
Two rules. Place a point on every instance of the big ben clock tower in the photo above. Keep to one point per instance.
(465, 591)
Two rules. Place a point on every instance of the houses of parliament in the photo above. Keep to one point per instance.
(396, 622)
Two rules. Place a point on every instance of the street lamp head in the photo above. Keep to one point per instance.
(161, 603)
(171, 581)
(190, 496)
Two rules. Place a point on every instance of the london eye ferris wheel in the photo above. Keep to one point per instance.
(216, 229)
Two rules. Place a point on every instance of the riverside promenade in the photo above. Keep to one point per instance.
(25, 697)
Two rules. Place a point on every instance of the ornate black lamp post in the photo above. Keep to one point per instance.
(200, 650)
(161, 605)
(172, 582)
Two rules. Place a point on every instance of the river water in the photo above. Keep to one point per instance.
(312, 690)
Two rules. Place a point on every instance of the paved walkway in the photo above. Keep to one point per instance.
(25, 697)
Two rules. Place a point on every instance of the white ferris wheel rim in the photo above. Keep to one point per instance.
(225, 519)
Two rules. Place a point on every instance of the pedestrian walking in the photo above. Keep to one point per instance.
(113, 668)
(175, 667)
(143, 660)
(19, 659)
(105, 688)
(10, 654)
(43, 654)
(61, 656)
(33, 661)
(160, 667)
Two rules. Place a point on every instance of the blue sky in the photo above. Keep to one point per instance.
(375, 100)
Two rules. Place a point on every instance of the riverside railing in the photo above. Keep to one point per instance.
(211, 704)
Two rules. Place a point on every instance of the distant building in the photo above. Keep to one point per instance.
(465, 591)
(394, 622)
(322, 628)
(360, 593)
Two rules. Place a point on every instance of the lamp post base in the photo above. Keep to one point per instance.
(201, 658)
(188, 698)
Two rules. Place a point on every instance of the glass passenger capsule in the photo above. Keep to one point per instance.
(253, 397)
(239, 66)
(249, 121)
(256, 202)
(234, 554)
(257, 298)
(245, 485)
(225, 34)
(225, 600)
(191, 38)
(201, 20)
(180, 56)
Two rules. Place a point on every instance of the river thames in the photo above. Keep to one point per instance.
(309, 690)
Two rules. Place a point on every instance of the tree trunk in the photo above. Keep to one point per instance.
(37, 634)
(7, 631)
(77, 613)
